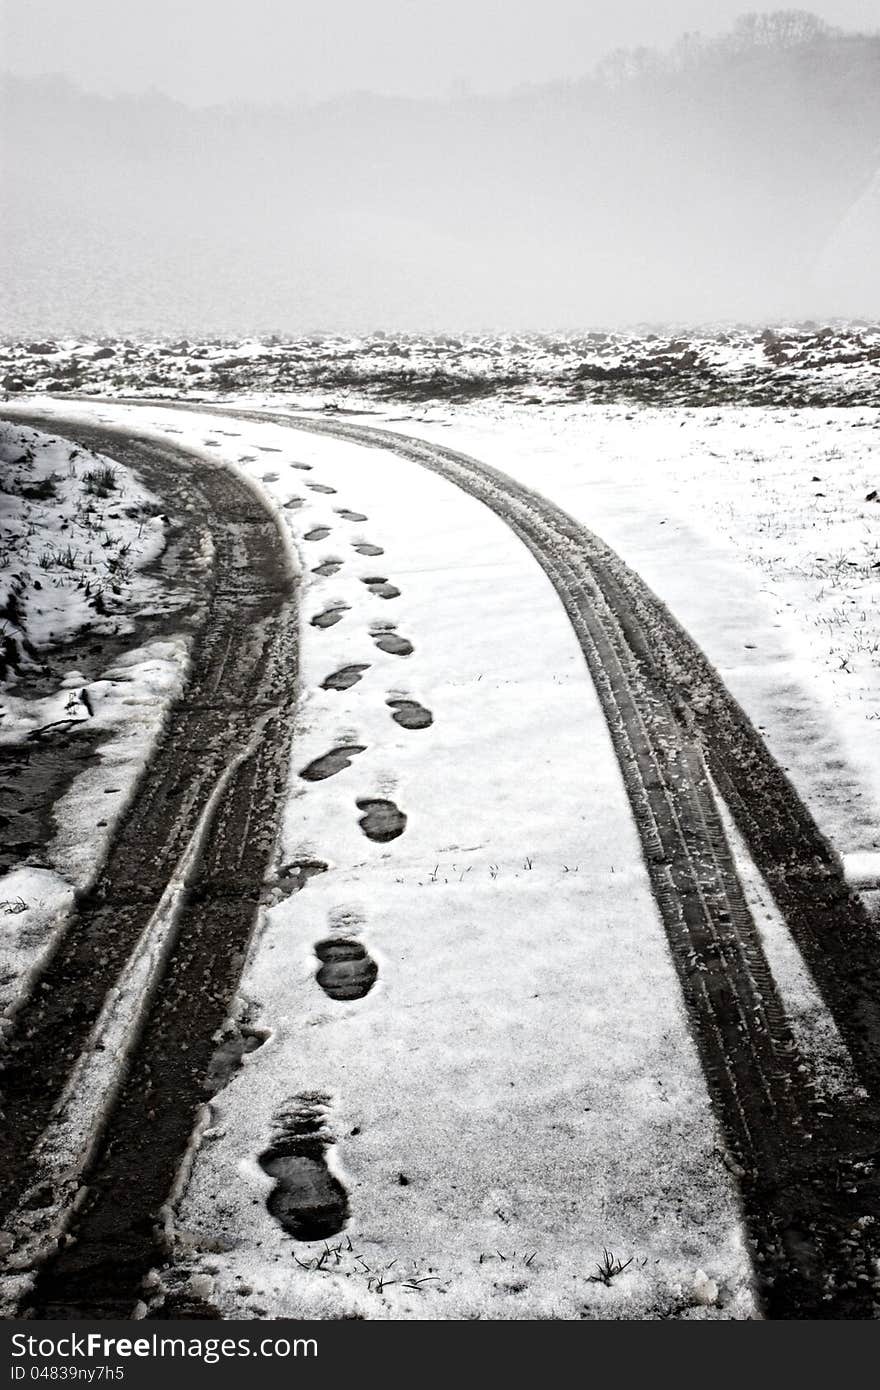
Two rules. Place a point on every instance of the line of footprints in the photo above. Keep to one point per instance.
(380, 820)
(308, 1200)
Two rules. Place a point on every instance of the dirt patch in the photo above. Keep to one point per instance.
(33, 776)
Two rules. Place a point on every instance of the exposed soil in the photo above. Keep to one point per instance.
(33, 776)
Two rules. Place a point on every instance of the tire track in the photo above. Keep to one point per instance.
(243, 674)
(807, 1175)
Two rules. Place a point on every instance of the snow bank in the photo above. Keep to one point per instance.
(77, 532)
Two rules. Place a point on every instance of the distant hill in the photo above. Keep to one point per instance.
(736, 178)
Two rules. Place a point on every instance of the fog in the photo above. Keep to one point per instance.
(277, 51)
(731, 177)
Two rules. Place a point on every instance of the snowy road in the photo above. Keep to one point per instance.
(242, 679)
(674, 728)
(680, 742)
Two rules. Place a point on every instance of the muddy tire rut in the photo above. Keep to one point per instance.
(242, 683)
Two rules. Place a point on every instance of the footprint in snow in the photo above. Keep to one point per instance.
(320, 487)
(350, 516)
(293, 503)
(382, 820)
(296, 875)
(330, 616)
(308, 1201)
(305, 467)
(345, 677)
(410, 714)
(317, 533)
(365, 548)
(330, 763)
(378, 585)
(347, 970)
(327, 567)
(387, 640)
(237, 1042)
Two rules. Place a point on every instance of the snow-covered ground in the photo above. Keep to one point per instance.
(518, 1092)
(77, 531)
(76, 527)
(761, 531)
(798, 364)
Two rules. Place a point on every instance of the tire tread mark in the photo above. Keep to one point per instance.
(243, 668)
(808, 1178)
(801, 1170)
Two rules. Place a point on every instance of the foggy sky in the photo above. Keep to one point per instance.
(210, 51)
(738, 179)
